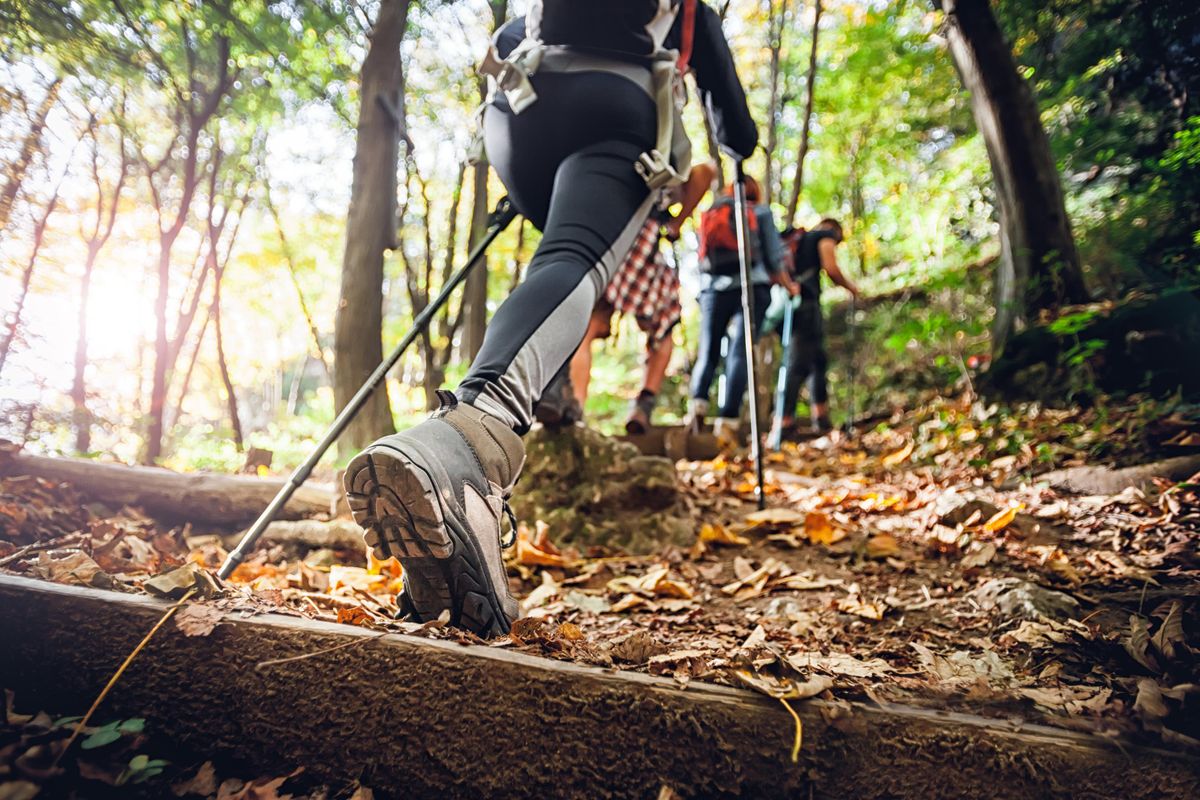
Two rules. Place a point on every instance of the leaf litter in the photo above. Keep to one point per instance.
(923, 562)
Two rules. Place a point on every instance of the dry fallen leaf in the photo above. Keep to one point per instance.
(198, 619)
(899, 457)
(854, 605)
(882, 545)
(719, 534)
(203, 783)
(356, 615)
(820, 529)
(775, 516)
(1002, 519)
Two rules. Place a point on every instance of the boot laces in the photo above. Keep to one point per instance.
(509, 539)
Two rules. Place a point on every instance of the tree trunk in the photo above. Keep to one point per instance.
(223, 365)
(291, 265)
(776, 15)
(39, 237)
(158, 386)
(29, 148)
(1039, 265)
(806, 127)
(475, 290)
(80, 415)
(370, 228)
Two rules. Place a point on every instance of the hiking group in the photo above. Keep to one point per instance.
(583, 127)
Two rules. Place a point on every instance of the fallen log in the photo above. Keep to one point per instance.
(417, 718)
(196, 497)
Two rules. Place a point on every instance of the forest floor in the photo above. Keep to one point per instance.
(929, 561)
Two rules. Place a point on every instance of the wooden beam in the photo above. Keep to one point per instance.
(420, 718)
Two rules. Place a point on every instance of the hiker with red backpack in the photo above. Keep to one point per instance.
(584, 128)
(720, 300)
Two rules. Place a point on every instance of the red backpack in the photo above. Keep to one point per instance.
(718, 237)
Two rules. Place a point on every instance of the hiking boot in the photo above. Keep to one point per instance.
(434, 497)
(697, 411)
(822, 424)
(639, 413)
(558, 406)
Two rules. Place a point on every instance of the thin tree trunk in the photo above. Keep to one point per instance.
(30, 146)
(201, 106)
(475, 290)
(775, 27)
(223, 364)
(806, 127)
(291, 265)
(102, 228)
(1039, 264)
(370, 228)
(187, 375)
(79, 412)
(39, 238)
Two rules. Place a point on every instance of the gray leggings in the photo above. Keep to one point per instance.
(567, 162)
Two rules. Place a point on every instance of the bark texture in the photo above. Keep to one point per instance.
(195, 497)
(370, 227)
(806, 128)
(415, 718)
(1039, 264)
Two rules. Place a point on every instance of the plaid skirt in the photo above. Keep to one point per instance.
(646, 287)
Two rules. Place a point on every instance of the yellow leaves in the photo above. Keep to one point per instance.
(639, 591)
(882, 545)
(719, 534)
(538, 550)
(820, 529)
(771, 575)
(1002, 519)
(898, 457)
(355, 615)
(775, 516)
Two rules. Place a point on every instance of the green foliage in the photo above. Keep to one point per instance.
(1118, 84)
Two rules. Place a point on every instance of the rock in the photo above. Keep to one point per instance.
(953, 509)
(594, 490)
(1014, 597)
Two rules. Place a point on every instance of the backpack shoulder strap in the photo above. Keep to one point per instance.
(687, 35)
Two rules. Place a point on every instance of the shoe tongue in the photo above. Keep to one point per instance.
(498, 448)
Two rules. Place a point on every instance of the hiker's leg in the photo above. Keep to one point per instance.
(597, 206)
(581, 363)
(801, 358)
(658, 358)
(818, 387)
(736, 372)
(716, 309)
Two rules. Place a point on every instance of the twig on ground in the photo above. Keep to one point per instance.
(320, 652)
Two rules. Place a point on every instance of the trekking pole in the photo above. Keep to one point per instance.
(853, 371)
(739, 203)
(500, 218)
(775, 441)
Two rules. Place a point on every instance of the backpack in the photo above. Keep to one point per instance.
(623, 30)
(718, 238)
(628, 27)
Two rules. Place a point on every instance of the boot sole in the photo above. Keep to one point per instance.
(404, 516)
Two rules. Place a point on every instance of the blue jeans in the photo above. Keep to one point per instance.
(717, 311)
